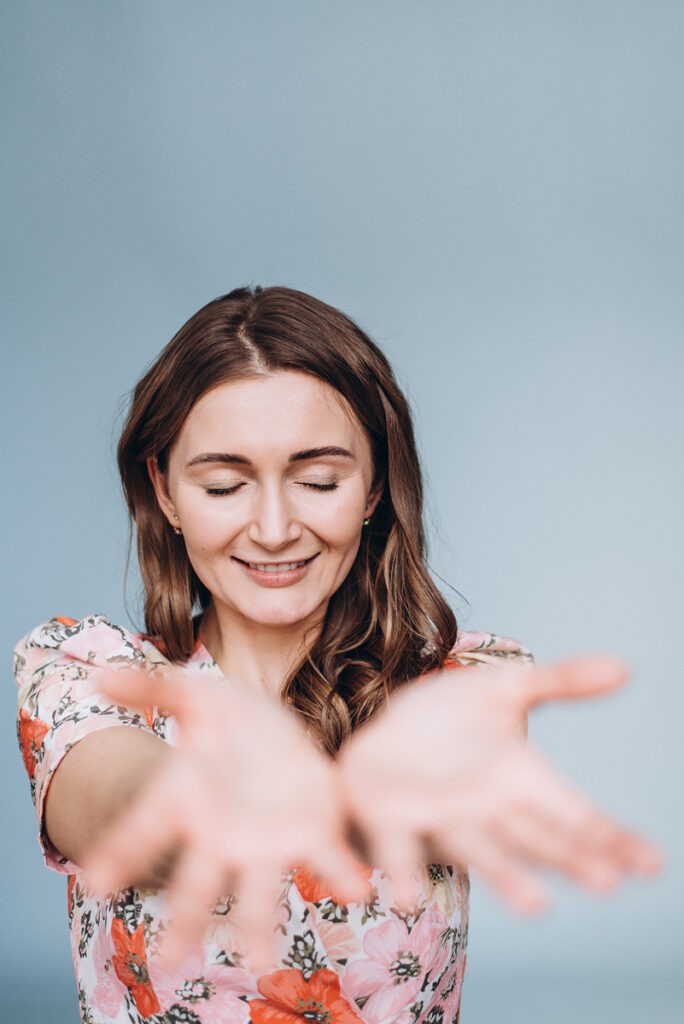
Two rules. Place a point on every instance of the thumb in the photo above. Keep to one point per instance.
(571, 679)
(138, 687)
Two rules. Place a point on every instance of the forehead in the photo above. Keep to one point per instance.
(285, 411)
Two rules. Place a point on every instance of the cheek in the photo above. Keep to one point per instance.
(207, 523)
(342, 537)
(340, 522)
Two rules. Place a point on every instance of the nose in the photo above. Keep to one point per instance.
(273, 525)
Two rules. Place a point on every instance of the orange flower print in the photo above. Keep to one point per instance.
(31, 735)
(64, 620)
(313, 890)
(70, 894)
(130, 964)
(291, 999)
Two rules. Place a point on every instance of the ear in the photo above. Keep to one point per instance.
(160, 484)
(374, 497)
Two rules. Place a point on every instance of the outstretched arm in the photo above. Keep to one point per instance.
(99, 777)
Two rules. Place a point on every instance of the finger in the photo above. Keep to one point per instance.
(644, 856)
(400, 854)
(572, 679)
(513, 881)
(257, 894)
(562, 812)
(336, 865)
(195, 887)
(137, 688)
(516, 885)
(540, 844)
(596, 838)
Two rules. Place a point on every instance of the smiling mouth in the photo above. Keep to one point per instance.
(267, 567)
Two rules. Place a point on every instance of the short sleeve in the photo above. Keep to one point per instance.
(476, 648)
(58, 702)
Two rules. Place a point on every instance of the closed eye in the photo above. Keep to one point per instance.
(218, 491)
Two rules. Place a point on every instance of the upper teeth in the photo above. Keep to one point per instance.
(276, 566)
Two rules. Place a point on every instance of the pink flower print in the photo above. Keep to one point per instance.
(222, 931)
(471, 640)
(68, 732)
(211, 991)
(96, 644)
(396, 965)
(108, 994)
(339, 941)
(448, 992)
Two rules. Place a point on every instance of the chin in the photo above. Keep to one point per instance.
(281, 617)
(277, 622)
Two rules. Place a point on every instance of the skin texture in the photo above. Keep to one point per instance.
(472, 792)
(476, 793)
(276, 513)
(95, 781)
(229, 810)
(233, 809)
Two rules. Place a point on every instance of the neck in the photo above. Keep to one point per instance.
(257, 655)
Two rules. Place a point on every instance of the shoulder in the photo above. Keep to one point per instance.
(57, 671)
(472, 648)
(92, 641)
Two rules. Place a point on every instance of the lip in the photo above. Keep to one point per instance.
(278, 579)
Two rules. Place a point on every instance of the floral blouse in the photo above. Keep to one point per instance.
(337, 962)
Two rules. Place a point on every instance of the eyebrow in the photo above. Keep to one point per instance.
(306, 455)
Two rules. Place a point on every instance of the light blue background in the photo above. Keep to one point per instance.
(494, 190)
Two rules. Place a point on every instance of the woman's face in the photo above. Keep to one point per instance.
(271, 479)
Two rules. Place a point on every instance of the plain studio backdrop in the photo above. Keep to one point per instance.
(494, 191)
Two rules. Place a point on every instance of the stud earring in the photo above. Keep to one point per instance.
(177, 530)
(366, 522)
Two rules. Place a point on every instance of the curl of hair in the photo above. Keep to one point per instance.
(387, 623)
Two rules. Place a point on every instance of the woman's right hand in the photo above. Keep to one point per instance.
(244, 795)
(444, 773)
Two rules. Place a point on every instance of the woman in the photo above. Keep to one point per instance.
(269, 464)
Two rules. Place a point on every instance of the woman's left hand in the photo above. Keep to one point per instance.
(444, 773)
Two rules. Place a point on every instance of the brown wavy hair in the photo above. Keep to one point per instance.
(387, 622)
